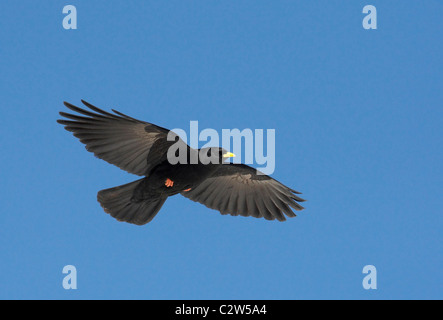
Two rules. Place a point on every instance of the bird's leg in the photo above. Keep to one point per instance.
(169, 183)
(187, 190)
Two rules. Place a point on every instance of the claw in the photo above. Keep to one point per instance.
(169, 183)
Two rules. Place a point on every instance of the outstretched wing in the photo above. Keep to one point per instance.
(132, 145)
(237, 189)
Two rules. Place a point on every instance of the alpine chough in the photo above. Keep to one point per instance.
(141, 148)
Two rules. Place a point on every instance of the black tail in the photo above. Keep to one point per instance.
(117, 202)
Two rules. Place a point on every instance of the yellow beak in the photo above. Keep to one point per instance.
(228, 155)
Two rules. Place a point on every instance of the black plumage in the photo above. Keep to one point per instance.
(141, 148)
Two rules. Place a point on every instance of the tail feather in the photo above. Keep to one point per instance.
(119, 204)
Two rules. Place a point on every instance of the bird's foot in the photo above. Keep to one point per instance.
(187, 190)
(169, 183)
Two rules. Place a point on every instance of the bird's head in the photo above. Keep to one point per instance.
(215, 155)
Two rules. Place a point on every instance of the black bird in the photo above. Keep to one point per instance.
(141, 148)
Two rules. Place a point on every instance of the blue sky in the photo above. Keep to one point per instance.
(358, 119)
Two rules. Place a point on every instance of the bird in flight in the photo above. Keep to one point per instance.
(141, 148)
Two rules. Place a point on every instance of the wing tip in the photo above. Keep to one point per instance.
(68, 105)
(86, 103)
